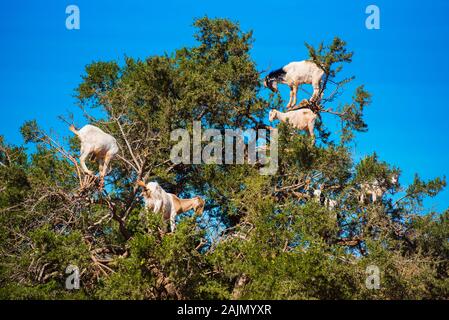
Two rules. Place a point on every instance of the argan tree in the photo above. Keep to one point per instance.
(260, 237)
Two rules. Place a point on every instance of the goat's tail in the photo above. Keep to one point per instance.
(73, 129)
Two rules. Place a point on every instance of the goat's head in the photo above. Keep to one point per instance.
(394, 179)
(199, 205)
(149, 188)
(270, 83)
(272, 115)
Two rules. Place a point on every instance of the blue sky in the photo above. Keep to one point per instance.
(404, 64)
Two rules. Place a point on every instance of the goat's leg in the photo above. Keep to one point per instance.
(316, 90)
(101, 166)
(311, 126)
(295, 93)
(105, 166)
(83, 158)
(289, 105)
(172, 220)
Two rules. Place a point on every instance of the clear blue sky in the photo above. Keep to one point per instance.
(405, 64)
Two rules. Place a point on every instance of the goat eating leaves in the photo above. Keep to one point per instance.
(295, 74)
(302, 119)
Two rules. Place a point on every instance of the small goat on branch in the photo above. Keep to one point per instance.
(302, 119)
(376, 189)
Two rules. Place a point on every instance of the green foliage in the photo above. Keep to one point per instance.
(30, 131)
(419, 188)
(371, 168)
(328, 55)
(100, 77)
(260, 237)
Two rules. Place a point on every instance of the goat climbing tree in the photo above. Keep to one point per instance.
(261, 237)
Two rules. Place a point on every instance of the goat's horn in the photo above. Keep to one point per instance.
(141, 183)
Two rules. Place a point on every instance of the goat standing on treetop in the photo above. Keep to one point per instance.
(295, 74)
(95, 141)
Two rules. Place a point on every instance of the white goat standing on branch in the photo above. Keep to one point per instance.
(375, 190)
(320, 198)
(168, 204)
(302, 119)
(295, 74)
(96, 142)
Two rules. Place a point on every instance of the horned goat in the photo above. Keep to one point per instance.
(168, 204)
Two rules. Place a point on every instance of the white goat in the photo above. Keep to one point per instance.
(168, 204)
(295, 74)
(327, 202)
(302, 119)
(375, 190)
(95, 141)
